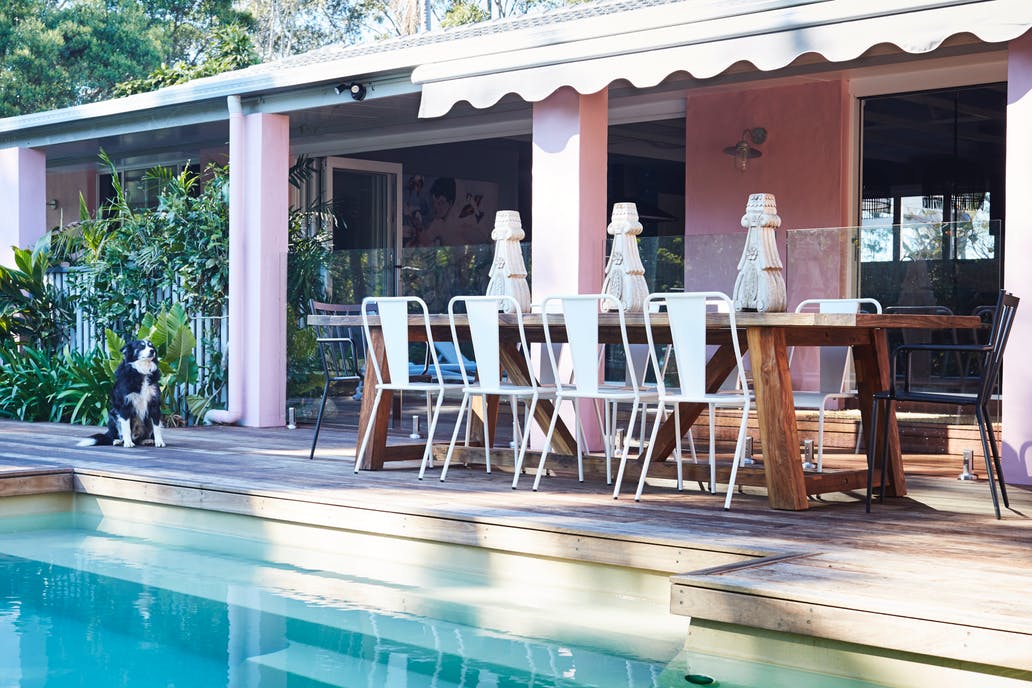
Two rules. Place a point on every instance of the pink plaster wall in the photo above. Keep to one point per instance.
(569, 211)
(267, 142)
(65, 187)
(569, 191)
(22, 186)
(1017, 383)
(803, 165)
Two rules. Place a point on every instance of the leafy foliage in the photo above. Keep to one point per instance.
(31, 310)
(232, 50)
(36, 385)
(180, 248)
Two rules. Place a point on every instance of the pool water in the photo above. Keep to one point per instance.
(114, 593)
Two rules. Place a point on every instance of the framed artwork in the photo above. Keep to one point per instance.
(445, 211)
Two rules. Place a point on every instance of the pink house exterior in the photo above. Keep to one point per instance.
(562, 81)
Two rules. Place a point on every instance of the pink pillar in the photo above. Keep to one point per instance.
(23, 188)
(1017, 384)
(569, 190)
(570, 204)
(263, 257)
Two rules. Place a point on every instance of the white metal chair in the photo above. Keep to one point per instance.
(686, 313)
(484, 377)
(394, 324)
(835, 381)
(580, 320)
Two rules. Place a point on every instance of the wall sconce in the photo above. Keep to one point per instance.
(742, 151)
(52, 204)
(356, 89)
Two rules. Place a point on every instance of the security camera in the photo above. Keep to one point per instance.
(356, 89)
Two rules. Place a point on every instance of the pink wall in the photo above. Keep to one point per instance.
(569, 211)
(1017, 385)
(65, 187)
(22, 185)
(802, 165)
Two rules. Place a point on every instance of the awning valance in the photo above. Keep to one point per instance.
(838, 30)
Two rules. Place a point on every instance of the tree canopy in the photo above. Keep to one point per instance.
(59, 53)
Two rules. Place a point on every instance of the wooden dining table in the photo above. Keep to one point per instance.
(768, 338)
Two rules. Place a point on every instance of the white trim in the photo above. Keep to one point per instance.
(837, 30)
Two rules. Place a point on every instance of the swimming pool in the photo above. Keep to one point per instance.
(98, 591)
(116, 593)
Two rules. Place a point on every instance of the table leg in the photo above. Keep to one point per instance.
(775, 411)
(482, 413)
(376, 451)
(871, 362)
(515, 365)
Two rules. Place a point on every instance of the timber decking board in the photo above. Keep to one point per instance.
(937, 556)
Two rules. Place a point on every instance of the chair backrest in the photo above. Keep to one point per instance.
(999, 332)
(580, 316)
(686, 313)
(341, 347)
(835, 361)
(482, 316)
(393, 312)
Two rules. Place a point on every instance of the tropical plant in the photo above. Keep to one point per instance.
(31, 310)
(29, 382)
(309, 253)
(87, 379)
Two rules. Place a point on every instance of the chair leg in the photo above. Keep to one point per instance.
(579, 430)
(609, 411)
(739, 448)
(318, 420)
(544, 450)
(870, 453)
(524, 443)
(625, 450)
(454, 439)
(517, 439)
(368, 430)
(990, 456)
(820, 438)
(428, 452)
(996, 457)
(487, 436)
(648, 454)
(677, 448)
(712, 452)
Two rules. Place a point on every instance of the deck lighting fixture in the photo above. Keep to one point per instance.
(356, 89)
(742, 151)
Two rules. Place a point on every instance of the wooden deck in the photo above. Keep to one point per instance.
(933, 573)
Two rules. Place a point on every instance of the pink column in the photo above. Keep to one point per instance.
(569, 202)
(23, 186)
(263, 255)
(1017, 384)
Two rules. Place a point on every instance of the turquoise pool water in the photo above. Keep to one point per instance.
(100, 592)
(94, 597)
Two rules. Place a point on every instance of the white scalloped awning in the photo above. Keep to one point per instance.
(644, 47)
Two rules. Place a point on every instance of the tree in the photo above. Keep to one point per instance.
(54, 55)
(232, 49)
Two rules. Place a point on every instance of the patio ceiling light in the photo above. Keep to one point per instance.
(742, 151)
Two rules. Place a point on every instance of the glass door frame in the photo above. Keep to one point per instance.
(394, 219)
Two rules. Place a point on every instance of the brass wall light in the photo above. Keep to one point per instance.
(742, 151)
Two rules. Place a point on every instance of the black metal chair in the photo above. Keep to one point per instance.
(342, 351)
(990, 355)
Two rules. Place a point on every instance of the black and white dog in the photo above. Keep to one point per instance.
(135, 413)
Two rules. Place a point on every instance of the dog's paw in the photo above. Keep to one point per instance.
(159, 443)
(128, 443)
